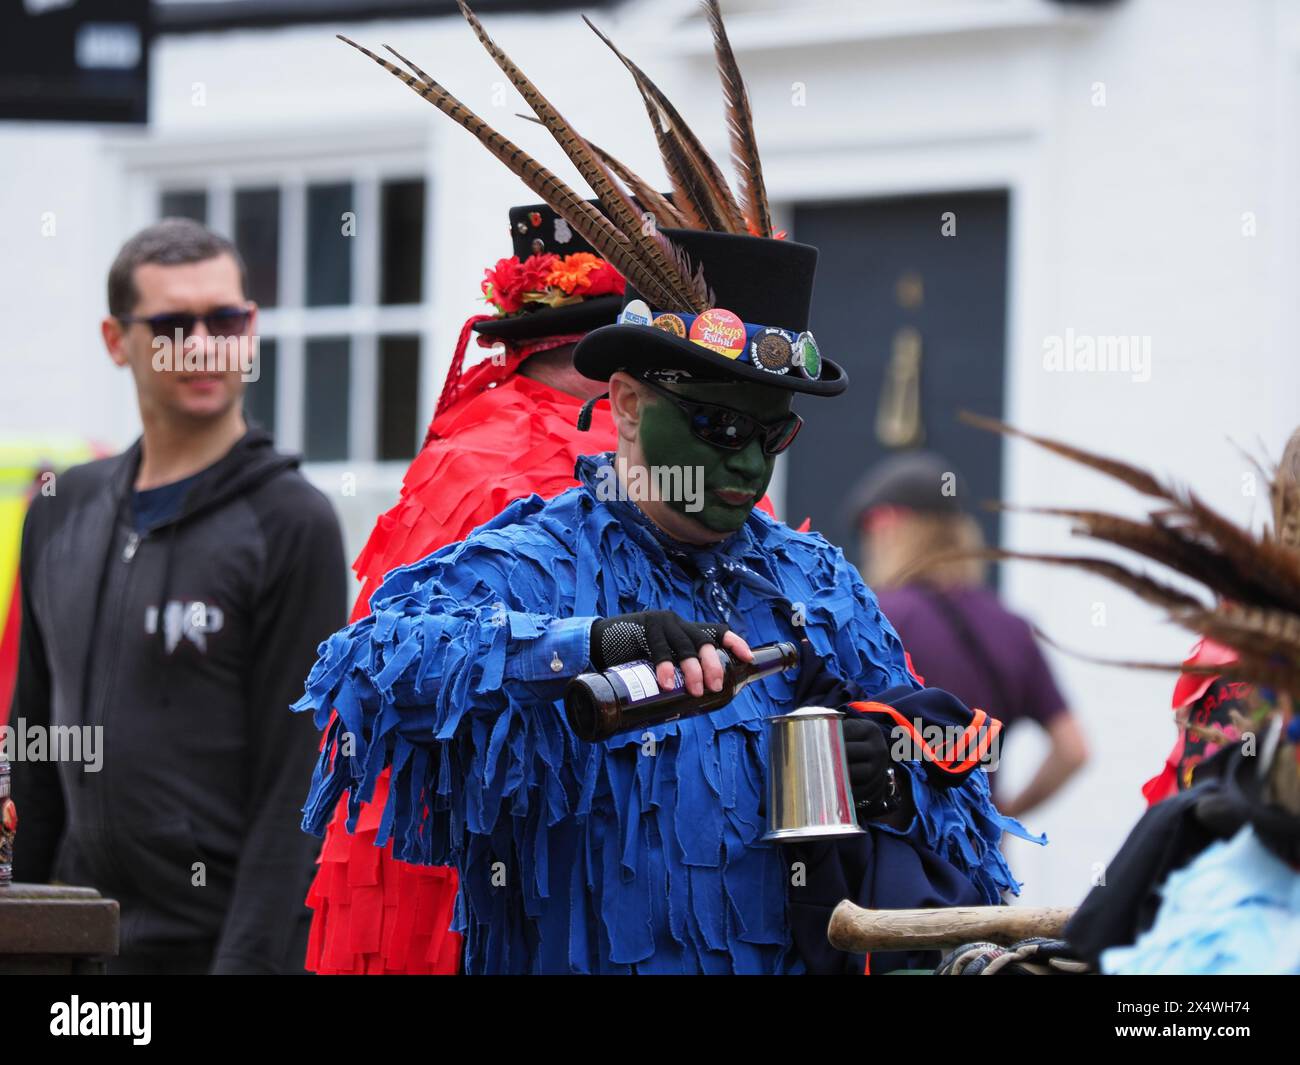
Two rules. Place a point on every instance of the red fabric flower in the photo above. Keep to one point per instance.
(604, 280)
(501, 285)
(507, 284)
(537, 271)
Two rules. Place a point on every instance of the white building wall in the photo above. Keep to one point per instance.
(1128, 218)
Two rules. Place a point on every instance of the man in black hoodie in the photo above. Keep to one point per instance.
(172, 601)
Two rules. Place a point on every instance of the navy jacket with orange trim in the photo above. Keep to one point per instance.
(886, 868)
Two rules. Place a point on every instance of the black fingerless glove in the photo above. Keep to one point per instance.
(652, 636)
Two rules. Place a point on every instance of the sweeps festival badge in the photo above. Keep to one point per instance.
(721, 331)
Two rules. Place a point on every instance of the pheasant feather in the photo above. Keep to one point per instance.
(685, 158)
(597, 230)
(740, 125)
(1254, 578)
(645, 194)
(651, 246)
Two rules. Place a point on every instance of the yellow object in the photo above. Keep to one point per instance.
(21, 463)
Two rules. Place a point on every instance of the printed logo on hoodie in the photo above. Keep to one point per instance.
(192, 621)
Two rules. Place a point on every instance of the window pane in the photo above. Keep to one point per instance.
(184, 203)
(325, 429)
(399, 393)
(257, 236)
(329, 250)
(259, 395)
(402, 251)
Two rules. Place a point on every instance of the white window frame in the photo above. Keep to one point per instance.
(366, 158)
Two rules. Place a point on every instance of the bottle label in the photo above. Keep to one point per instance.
(636, 682)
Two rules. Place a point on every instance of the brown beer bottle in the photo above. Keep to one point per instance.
(627, 698)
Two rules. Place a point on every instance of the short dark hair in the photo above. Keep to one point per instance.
(168, 243)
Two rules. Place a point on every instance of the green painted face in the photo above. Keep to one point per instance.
(732, 482)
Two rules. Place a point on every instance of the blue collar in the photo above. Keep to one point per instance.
(709, 566)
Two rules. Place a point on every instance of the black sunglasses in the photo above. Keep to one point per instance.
(730, 429)
(223, 322)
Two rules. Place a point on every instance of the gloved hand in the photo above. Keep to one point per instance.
(664, 638)
(1035, 956)
(867, 749)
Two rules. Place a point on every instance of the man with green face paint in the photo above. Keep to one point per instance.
(643, 853)
(732, 481)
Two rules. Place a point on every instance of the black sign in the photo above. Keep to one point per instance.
(75, 60)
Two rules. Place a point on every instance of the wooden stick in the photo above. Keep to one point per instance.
(857, 930)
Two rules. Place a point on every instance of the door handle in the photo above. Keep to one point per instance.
(898, 416)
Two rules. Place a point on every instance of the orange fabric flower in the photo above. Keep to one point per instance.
(570, 273)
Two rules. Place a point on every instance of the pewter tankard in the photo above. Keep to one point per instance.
(808, 791)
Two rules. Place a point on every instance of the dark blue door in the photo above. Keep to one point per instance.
(911, 300)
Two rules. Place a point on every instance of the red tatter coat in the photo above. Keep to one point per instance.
(503, 438)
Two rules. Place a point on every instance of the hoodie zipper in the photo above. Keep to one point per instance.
(128, 553)
(129, 550)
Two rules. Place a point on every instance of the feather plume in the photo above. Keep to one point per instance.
(1154, 542)
(1249, 667)
(597, 230)
(1271, 632)
(1254, 579)
(1146, 588)
(740, 124)
(646, 195)
(695, 177)
(1137, 479)
(1286, 495)
(653, 247)
(1257, 559)
(409, 64)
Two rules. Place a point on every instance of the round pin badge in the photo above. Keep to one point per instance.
(670, 323)
(635, 313)
(808, 356)
(772, 349)
(721, 331)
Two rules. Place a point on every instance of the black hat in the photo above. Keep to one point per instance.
(535, 229)
(767, 284)
(915, 480)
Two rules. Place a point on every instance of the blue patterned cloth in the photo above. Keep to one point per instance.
(1233, 910)
(623, 856)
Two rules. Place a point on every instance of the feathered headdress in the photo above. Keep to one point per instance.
(702, 199)
(1244, 588)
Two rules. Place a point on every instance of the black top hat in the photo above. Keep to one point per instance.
(765, 283)
(535, 229)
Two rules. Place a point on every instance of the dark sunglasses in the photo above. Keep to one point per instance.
(730, 429)
(223, 322)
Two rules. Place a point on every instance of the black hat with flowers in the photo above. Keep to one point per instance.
(554, 284)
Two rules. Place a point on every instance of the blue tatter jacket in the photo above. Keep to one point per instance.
(627, 855)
